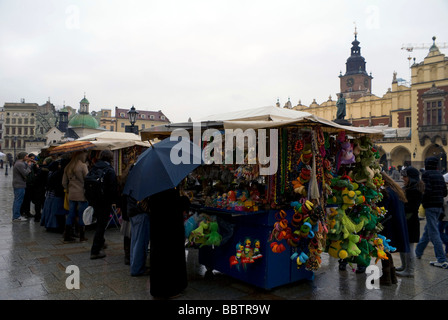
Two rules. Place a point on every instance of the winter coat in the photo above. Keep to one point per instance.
(414, 197)
(110, 185)
(19, 173)
(435, 188)
(394, 222)
(74, 182)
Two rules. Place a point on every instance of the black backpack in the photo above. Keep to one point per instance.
(94, 185)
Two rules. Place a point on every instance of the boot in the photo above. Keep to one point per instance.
(403, 262)
(82, 232)
(60, 219)
(385, 278)
(75, 230)
(68, 235)
(127, 250)
(393, 274)
(409, 270)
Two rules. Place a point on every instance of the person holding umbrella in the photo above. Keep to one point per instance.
(155, 178)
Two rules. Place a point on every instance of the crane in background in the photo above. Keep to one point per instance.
(411, 47)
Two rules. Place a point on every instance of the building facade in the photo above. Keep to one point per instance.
(145, 119)
(414, 116)
(19, 126)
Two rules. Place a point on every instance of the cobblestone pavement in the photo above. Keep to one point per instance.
(33, 266)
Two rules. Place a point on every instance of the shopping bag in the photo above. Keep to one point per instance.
(66, 202)
(421, 212)
(87, 216)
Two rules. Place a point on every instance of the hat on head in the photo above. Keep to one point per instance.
(412, 173)
(431, 163)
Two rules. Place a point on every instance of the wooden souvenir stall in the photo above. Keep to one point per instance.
(125, 146)
(270, 230)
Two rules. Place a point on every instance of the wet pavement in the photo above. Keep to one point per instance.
(33, 265)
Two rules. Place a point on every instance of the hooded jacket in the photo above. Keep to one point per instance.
(435, 188)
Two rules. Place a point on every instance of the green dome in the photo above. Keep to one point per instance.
(84, 100)
(83, 121)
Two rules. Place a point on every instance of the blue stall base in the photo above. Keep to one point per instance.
(270, 271)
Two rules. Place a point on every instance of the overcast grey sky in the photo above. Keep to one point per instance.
(191, 58)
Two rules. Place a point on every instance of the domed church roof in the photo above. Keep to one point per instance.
(82, 120)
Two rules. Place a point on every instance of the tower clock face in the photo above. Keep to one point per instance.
(350, 82)
(366, 83)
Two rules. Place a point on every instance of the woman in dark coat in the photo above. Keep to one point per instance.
(395, 225)
(168, 275)
(413, 187)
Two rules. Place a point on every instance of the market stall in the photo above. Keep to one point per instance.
(271, 229)
(126, 147)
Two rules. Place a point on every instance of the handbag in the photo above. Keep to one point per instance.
(421, 212)
(66, 202)
(87, 216)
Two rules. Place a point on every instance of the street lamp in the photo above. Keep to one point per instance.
(15, 141)
(132, 115)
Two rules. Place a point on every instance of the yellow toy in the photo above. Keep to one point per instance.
(335, 250)
(378, 243)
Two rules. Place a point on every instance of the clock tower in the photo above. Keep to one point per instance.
(356, 83)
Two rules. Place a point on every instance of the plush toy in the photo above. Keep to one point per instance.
(364, 257)
(387, 246)
(257, 253)
(340, 183)
(378, 243)
(348, 198)
(347, 156)
(335, 224)
(237, 258)
(351, 247)
(197, 235)
(239, 251)
(231, 195)
(336, 251)
(213, 238)
(349, 226)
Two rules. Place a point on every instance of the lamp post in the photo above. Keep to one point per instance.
(15, 141)
(132, 115)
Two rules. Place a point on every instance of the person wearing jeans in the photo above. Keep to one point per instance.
(20, 172)
(19, 194)
(431, 233)
(435, 191)
(139, 243)
(73, 182)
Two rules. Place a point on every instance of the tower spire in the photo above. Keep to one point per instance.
(356, 30)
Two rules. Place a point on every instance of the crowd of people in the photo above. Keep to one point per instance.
(55, 185)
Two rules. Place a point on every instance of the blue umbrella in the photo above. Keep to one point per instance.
(161, 167)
